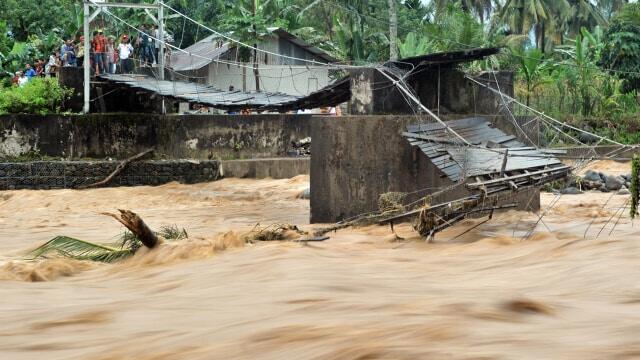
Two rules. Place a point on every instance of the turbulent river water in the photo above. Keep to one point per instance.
(363, 294)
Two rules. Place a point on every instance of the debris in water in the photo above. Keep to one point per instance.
(528, 306)
(137, 226)
(280, 232)
(140, 235)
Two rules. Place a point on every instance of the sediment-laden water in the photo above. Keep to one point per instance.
(363, 294)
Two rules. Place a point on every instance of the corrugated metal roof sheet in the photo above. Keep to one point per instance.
(202, 94)
(331, 95)
(284, 34)
(450, 57)
(457, 160)
(198, 54)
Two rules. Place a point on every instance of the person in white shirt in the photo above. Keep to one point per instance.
(124, 53)
(52, 66)
(22, 79)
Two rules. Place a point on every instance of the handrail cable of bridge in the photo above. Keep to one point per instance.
(328, 64)
(197, 55)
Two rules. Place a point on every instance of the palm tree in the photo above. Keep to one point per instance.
(609, 7)
(583, 13)
(541, 16)
(480, 8)
(532, 67)
(454, 29)
(393, 31)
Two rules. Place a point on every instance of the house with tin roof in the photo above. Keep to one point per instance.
(216, 62)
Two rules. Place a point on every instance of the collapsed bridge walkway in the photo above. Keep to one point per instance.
(492, 169)
(231, 100)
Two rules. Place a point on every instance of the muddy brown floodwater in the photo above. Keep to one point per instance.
(360, 295)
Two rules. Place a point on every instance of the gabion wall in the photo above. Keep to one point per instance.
(72, 174)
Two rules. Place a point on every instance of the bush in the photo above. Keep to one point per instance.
(39, 96)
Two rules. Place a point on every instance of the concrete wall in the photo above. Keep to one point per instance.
(71, 174)
(443, 90)
(73, 77)
(357, 158)
(173, 137)
(277, 168)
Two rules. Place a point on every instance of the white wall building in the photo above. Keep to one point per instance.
(213, 62)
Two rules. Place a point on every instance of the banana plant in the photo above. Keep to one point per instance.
(413, 45)
(581, 56)
(532, 69)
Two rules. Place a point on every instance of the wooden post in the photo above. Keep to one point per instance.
(504, 162)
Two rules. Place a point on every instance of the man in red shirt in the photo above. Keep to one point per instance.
(99, 45)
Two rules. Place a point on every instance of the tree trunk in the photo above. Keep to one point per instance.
(393, 31)
(134, 223)
(540, 35)
(256, 72)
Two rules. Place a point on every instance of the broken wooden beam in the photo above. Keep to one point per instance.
(520, 176)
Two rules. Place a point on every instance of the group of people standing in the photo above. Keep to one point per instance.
(22, 77)
(107, 57)
(103, 57)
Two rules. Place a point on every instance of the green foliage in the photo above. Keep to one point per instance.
(455, 29)
(562, 76)
(80, 250)
(27, 18)
(38, 96)
(532, 67)
(172, 233)
(414, 46)
(83, 250)
(622, 49)
(582, 57)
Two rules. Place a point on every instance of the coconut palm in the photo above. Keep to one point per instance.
(583, 13)
(454, 29)
(480, 8)
(610, 7)
(543, 17)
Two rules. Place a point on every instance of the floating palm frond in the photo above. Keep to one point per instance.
(130, 241)
(137, 235)
(81, 250)
(172, 232)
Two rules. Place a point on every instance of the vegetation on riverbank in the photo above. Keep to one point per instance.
(576, 60)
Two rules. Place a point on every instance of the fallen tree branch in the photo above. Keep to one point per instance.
(118, 170)
(134, 223)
